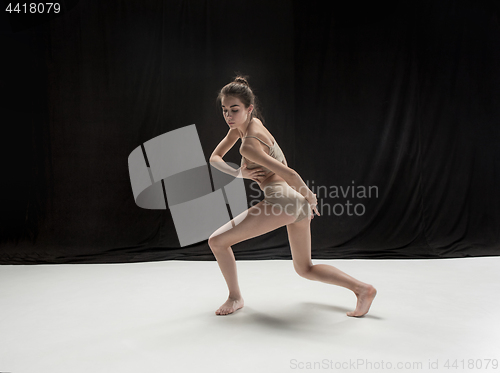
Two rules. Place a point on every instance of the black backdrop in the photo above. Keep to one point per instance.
(400, 96)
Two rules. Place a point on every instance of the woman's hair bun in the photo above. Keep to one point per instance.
(241, 80)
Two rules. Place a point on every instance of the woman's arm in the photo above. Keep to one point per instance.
(243, 172)
(220, 151)
(256, 154)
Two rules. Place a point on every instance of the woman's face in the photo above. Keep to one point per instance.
(234, 111)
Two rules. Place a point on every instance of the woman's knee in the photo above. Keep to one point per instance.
(213, 242)
(217, 243)
(303, 270)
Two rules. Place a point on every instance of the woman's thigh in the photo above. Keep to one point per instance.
(257, 220)
(299, 236)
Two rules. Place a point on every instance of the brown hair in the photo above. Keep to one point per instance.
(240, 89)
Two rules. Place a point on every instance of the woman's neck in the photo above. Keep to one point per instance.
(244, 131)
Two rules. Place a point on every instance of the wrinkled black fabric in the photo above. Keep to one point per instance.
(403, 97)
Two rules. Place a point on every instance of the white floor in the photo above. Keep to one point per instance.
(160, 317)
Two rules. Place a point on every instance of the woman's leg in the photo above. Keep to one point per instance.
(299, 235)
(257, 220)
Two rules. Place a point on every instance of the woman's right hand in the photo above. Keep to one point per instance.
(255, 174)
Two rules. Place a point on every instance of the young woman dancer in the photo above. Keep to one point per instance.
(288, 201)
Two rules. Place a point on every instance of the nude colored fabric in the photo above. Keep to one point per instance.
(274, 151)
(286, 199)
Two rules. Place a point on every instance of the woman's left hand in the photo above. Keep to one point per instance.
(314, 208)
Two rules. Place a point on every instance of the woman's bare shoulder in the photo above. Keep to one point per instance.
(259, 130)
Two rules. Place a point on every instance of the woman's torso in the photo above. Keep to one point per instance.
(272, 148)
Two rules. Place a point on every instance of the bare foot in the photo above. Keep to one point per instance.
(230, 306)
(365, 299)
